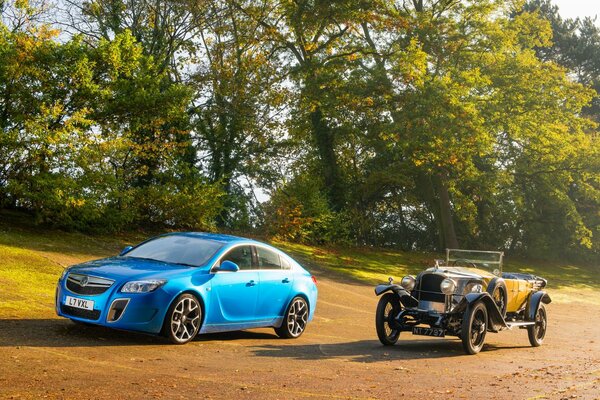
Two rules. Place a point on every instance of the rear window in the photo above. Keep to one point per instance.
(177, 249)
(267, 259)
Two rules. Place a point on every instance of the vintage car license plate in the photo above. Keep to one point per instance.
(437, 332)
(79, 303)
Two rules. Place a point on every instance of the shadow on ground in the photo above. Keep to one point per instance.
(63, 333)
(370, 351)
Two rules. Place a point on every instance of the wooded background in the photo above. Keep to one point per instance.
(415, 124)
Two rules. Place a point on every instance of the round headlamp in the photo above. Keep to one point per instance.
(408, 282)
(448, 286)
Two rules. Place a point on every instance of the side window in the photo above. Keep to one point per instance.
(285, 264)
(241, 255)
(267, 259)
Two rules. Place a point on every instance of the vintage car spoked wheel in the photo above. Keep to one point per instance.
(295, 321)
(474, 328)
(183, 319)
(385, 323)
(537, 332)
(500, 298)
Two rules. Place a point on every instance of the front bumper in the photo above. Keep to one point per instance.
(410, 318)
(143, 312)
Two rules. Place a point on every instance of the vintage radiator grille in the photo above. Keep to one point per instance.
(88, 285)
(428, 288)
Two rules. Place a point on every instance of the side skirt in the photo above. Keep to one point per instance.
(214, 328)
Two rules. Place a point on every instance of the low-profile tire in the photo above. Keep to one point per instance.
(183, 319)
(387, 328)
(295, 319)
(474, 328)
(537, 332)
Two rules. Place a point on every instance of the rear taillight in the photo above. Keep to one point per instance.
(314, 279)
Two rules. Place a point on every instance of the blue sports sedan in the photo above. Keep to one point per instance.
(183, 284)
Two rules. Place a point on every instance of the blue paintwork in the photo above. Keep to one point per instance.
(231, 300)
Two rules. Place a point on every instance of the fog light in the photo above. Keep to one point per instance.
(448, 286)
(116, 309)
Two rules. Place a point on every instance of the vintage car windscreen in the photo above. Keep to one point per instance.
(177, 249)
(488, 261)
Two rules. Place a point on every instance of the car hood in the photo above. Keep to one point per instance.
(461, 272)
(118, 268)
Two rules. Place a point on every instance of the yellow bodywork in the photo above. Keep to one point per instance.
(517, 293)
(517, 290)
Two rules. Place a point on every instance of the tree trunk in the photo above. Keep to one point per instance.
(323, 137)
(426, 190)
(445, 223)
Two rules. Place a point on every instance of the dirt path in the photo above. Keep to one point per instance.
(339, 356)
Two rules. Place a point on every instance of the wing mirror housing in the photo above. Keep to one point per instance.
(228, 266)
(125, 250)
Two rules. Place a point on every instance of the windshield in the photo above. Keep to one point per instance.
(176, 249)
(489, 261)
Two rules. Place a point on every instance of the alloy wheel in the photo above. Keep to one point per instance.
(297, 317)
(185, 319)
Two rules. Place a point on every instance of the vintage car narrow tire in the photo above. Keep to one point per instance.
(295, 319)
(183, 319)
(537, 332)
(474, 328)
(387, 309)
(499, 294)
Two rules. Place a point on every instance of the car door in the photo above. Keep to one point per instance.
(276, 281)
(235, 294)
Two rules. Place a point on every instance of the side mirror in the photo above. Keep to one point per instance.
(125, 250)
(228, 266)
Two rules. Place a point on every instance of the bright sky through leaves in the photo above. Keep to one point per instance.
(578, 8)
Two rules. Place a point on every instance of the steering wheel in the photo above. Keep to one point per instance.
(464, 261)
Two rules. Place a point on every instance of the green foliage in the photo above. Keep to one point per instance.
(96, 137)
(299, 212)
(416, 124)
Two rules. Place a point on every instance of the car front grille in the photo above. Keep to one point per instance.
(87, 284)
(92, 315)
(428, 288)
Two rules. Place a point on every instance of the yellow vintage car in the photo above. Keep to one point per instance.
(465, 295)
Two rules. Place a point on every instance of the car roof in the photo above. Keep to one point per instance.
(217, 237)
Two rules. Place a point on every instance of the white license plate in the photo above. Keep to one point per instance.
(79, 303)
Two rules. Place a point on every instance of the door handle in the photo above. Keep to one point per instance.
(251, 283)
(285, 280)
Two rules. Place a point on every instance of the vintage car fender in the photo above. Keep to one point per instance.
(381, 289)
(495, 319)
(496, 282)
(405, 298)
(535, 299)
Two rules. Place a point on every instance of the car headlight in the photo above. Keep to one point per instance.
(408, 282)
(448, 286)
(144, 286)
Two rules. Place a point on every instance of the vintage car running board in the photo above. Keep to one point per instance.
(519, 324)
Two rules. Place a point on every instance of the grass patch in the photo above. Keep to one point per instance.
(363, 264)
(32, 259)
(566, 282)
